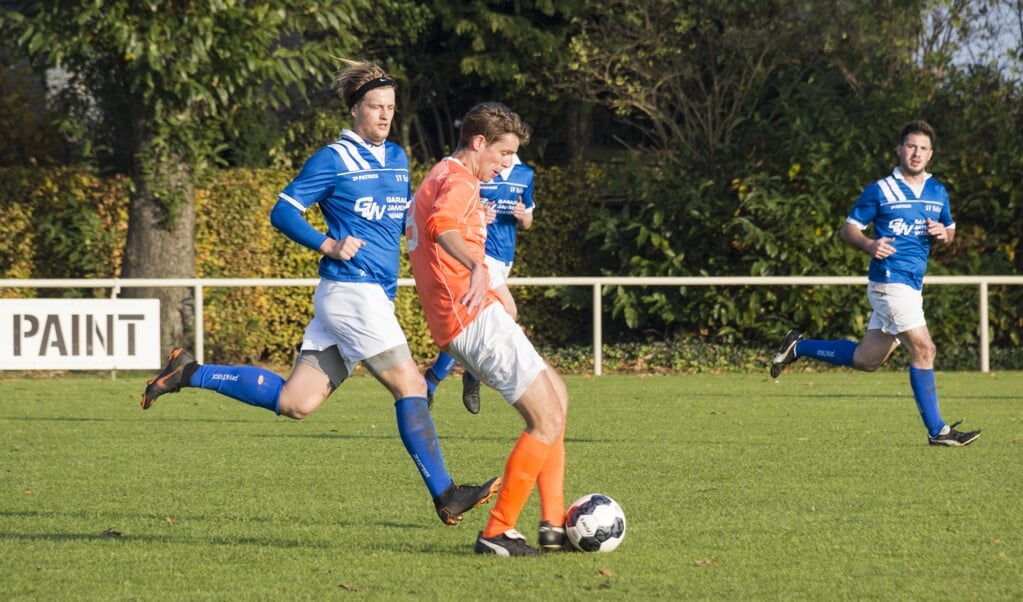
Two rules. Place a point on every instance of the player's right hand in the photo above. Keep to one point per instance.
(882, 247)
(479, 283)
(342, 249)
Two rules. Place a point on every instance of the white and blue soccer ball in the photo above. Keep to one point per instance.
(595, 523)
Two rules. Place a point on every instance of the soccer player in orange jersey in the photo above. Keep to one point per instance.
(446, 235)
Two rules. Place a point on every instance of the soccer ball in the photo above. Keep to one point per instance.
(595, 523)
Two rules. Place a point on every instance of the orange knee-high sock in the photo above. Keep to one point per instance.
(524, 464)
(551, 482)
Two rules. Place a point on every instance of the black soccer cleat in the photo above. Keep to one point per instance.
(471, 393)
(459, 499)
(551, 538)
(954, 438)
(509, 543)
(169, 379)
(786, 353)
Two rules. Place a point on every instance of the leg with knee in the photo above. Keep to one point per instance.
(542, 408)
(874, 350)
(316, 375)
(396, 370)
(922, 350)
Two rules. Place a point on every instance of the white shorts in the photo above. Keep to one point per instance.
(357, 317)
(494, 348)
(897, 307)
(498, 269)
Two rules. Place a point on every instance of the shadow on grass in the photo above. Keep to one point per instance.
(123, 420)
(397, 543)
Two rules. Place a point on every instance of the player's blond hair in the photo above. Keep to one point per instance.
(356, 78)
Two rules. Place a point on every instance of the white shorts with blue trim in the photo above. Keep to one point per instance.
(357, 317)
(897, 307)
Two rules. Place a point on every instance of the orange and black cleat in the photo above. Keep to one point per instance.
(169, 379)
(459, 499)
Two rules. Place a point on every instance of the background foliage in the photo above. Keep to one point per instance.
(672, 138)
(74, 220)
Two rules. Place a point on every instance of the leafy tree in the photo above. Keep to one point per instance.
(760, 123)
(25, 136)
(451, 55)
(745, 108)
(980, 154)
(447, 56)
(158, 79)
(515, 52)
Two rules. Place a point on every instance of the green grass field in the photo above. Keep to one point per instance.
(816, 487)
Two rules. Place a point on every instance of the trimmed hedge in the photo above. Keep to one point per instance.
(71, 223)
(61, 223)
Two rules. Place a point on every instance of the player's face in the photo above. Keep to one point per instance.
(914, 154)
(373, 114)
(495, 157)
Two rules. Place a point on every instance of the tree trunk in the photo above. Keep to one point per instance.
(161, 245)
(579, 121)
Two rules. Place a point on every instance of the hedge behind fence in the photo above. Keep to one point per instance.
(66, 223)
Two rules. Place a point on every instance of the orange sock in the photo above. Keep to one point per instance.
(524, 463)
(551, 482)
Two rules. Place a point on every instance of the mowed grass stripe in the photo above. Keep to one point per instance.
(817, 486)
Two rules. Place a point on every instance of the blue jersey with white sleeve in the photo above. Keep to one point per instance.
(363, 191)
(898, 212)
(505, 190)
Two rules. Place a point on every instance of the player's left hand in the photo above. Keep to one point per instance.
(519, 210)
(489, 212)
(937, 230)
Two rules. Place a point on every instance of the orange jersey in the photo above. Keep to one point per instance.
(447, 200)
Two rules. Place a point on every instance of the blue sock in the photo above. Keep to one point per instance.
(440, 369)
(418, 433)
(248, 384)
(442, 365)
(838, 352)
(926, 395)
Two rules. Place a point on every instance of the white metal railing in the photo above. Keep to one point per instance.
(595, 282)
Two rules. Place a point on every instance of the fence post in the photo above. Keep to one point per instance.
(985, 352)
(598, 330)
(200, 328)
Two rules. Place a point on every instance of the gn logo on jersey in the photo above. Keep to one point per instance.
(899, 227)
(369, 209)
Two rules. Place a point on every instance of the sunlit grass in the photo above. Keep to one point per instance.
(818, 486)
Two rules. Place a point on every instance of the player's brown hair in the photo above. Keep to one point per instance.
(918, 126)
(492, 120)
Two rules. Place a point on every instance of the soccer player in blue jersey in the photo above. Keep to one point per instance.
(509, 201)
(361, 183)
(910, 211)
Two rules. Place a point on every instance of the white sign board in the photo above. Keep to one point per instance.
(79, 334)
